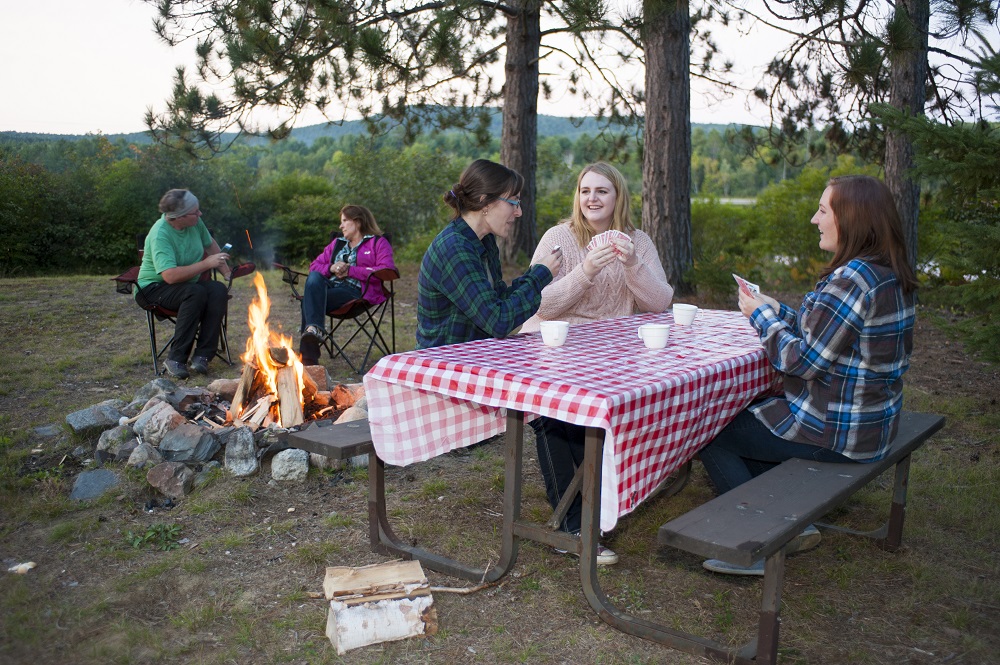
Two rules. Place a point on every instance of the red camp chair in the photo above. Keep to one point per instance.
(366, 318)
(128, 281)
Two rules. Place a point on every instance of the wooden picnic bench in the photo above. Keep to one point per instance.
(336, 441)
(759, 518)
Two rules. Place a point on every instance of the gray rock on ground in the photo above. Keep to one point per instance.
(174, 479)
(93, 484)
(154, 423)
(95, 419)
(290, 465)
(144, 455)
(241, 453)
(188, 443)
(113, 439)
(157, 387)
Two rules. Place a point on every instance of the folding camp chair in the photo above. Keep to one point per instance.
(366, 318)
(128, 282)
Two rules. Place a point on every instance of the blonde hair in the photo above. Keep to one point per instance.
(621, 219)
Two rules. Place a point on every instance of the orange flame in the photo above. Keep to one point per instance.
(262, 340)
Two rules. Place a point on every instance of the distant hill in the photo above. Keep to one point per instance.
(548, 125)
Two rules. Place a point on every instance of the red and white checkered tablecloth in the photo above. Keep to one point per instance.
(658, 407)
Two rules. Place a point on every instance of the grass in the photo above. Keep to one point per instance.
(240, 589)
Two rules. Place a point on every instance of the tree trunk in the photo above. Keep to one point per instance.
(666, 165)
(519, 137)
(907, 92)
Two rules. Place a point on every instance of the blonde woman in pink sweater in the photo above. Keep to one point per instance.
(614, 280)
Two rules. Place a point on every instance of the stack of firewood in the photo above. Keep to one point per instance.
(255, 406)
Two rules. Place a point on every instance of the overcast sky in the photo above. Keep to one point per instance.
(88, 66)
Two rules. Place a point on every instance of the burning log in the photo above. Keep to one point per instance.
(289, 406)
(244, 391)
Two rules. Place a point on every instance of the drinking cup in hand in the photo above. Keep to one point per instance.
(684, 314)
(654, 335)
(554, 332)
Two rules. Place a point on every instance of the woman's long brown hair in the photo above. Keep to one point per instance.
(868, 226)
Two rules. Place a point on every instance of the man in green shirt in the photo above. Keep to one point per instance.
(177, 251)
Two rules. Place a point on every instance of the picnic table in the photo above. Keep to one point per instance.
(647, 413)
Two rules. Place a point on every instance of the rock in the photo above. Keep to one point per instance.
(362, 404)
(359, 461)
(324, 462)
(290, 465)
(357, 390)
(156, 387)
(183, 398)
(224, 388)
(188, 443)
(353, 413)
(319, 376)
(173, 479)
(79, 453)
(113, 439)
(126, 449)
(341, 397)
(134, 408)
(144, 455)
(48, 431)
(92, 484)
(97, 418)
(206, 474)
(241, 453)
(154, 423)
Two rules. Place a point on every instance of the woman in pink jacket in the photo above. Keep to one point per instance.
(343, 272)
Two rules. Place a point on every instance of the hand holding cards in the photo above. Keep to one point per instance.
(748, 288)
(603, 239)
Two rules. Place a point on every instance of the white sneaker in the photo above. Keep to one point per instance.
(605, 555)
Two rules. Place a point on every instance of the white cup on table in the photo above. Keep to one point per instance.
(654, 335)
(554, 333)
(684, 314)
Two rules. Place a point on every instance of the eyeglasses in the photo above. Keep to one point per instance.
(514, 202)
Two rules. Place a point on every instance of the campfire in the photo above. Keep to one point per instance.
(275, 387)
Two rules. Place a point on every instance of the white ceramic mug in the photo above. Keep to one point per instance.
(654, 335)
(684, 314)
(554, 332)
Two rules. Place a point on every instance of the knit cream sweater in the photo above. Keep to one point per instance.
(615, 291)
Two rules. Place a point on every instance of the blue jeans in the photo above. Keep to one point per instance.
(560, 449)
(747, 448)
(319, 297)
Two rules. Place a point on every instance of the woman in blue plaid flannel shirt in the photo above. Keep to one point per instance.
(841, 355)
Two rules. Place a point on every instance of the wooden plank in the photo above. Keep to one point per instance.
(244, 390)
(374, 579)
(759, 517)
(337, 441)
(289, 397)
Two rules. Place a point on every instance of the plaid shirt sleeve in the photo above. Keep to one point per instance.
(461, 295)
(842, 362)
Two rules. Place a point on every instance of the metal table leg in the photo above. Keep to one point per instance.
(385, 541)
(590, 534)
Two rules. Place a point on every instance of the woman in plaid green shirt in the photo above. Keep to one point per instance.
(841, 355)
(461, 295)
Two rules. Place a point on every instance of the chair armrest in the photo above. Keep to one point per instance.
(386, 274)
(292, 278)
(242, 270)
(127, 281)
(289, 276)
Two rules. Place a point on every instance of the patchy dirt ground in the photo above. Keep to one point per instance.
(236, 589)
